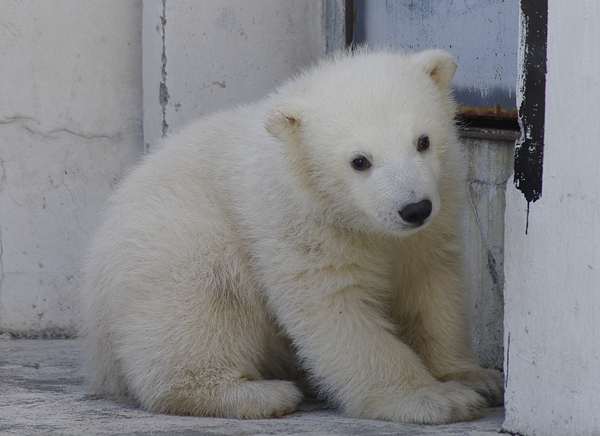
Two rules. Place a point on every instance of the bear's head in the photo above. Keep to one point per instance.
(372, 136)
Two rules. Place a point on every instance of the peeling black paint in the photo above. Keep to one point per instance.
(529, 149)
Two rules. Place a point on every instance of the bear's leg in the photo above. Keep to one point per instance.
(206, 350)
(233, 396)
(432, 316)
(220, 379)
(350, 349)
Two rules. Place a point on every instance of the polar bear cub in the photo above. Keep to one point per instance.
(317, 232)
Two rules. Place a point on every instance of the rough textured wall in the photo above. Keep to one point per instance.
(552, 292)
(75, 79)
(490, 167)
(200, 57)
(70, 122)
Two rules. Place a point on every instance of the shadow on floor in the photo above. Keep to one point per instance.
(41, 393)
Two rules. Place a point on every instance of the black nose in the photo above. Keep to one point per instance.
(416, 213)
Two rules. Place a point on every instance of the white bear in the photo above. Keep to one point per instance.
(316, 232)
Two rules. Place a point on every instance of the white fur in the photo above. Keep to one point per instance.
(248, 243)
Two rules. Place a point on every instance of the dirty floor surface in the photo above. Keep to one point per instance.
(41, 393)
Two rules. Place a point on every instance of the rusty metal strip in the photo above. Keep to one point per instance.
(493, 134)
(496, 112)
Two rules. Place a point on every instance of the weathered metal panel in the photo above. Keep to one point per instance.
(482, 35)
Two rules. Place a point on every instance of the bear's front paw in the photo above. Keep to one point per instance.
(487, 382)
(435, 403)
(266, 399)
(444, 403)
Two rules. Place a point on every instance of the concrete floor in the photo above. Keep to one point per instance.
(41, 393)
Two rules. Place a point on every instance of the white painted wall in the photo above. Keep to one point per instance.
(71, 102)
(552, 291)
(213, 55)
(70, 121)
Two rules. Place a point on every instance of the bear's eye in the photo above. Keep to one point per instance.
(361, 163)
(423, 143)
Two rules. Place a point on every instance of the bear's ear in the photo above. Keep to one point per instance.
(439, 65)
(283, 122)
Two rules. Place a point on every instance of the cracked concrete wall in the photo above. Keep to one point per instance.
(76, 85)
(70, 122)
(490, 167)
(200, 57)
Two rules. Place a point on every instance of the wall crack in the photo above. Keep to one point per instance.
(491, 260)
(25, 123)
(163, 94)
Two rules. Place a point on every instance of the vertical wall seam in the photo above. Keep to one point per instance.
(334, 25)
(163, 94)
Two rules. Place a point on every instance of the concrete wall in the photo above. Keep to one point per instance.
(490, 167)
(71, 102)
(70, 122)
(552, 287)
(205, 56)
